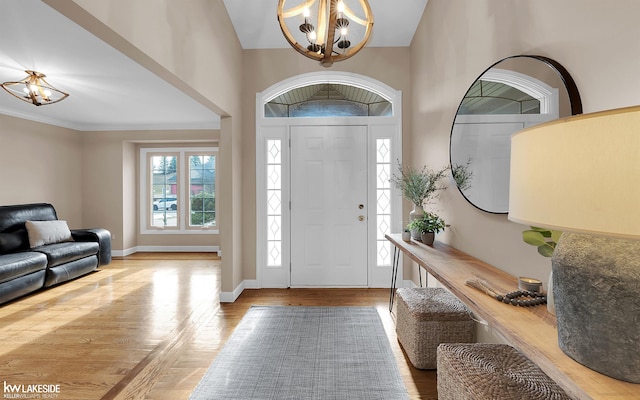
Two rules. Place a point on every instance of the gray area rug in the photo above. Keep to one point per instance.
(305, 353)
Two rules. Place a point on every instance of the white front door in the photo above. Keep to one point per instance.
(329, 206)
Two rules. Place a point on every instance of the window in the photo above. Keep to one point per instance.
(383, 200)
(274, 203)
(202, 200)
(178, 190)
(328, 100)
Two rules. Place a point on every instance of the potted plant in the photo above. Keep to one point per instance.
(545, 240)
(428, 225)
(418, 186)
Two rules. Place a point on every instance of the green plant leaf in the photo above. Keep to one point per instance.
(545, 250)
(533, 238)
(543, 231)
(555, 235)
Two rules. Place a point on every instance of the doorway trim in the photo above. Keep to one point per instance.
(276, 130)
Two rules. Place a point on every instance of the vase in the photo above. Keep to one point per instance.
(428, 237)
(551, 307)
(417, 212)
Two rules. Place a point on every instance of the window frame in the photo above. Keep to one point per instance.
(183, 192)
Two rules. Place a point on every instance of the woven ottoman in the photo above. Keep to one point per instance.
(427, 317)
(491, 371)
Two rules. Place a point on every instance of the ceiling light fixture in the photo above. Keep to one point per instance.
(34, 89)
(322, 22)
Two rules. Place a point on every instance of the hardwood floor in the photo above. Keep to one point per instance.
(148, 326)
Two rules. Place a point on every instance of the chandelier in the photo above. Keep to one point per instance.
(326, 30)
(34, 89)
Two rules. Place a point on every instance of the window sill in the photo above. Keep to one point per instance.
(214, 231)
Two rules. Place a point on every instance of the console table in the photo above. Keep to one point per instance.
(532, 330)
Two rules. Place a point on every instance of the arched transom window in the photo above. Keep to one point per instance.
(328, 100)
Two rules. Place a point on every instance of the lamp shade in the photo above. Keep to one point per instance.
(579, 174)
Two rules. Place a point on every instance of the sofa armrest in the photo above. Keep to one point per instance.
(100, 235)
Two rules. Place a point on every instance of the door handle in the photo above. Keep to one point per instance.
(361, 218)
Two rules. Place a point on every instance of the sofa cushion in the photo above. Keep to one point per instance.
(47, 232)
(15, 265)
(13, 217)
(60, 253)
(71, 270)
(10, 242)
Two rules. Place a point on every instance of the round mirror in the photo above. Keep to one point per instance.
(512, 94)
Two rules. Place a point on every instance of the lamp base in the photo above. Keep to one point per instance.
(596, 287)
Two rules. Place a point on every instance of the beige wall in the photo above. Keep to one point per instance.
(264, 68)
(40, 163)
(111, 185)
(91, 178)
(595, 41)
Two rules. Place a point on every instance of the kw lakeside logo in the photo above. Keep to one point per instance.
(38, 391)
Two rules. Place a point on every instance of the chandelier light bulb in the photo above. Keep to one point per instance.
(340, 7)
(306, 13)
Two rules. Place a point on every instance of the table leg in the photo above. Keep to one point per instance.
(394, 276)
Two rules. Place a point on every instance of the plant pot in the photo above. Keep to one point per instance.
(428, 237)
(406, 235)
(417, 212)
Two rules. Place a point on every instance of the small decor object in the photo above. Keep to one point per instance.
(35, 90)
(427, 225)
(406, 235)
(522, 298)
(333, 30)
(529, 284)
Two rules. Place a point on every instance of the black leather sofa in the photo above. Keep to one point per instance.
(24, 269)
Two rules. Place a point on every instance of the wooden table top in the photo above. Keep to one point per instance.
(532, 330)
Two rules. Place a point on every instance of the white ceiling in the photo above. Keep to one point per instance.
(256, 23)
(109, 91)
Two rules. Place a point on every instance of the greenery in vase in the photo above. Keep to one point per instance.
(429, 222)
(544, 239)
(419, 185)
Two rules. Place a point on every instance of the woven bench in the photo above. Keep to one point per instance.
(427, 317)
(491, 371)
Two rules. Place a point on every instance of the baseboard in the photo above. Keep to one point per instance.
(123, 253)
(230, 297)
(409, 284)
(166, 249)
